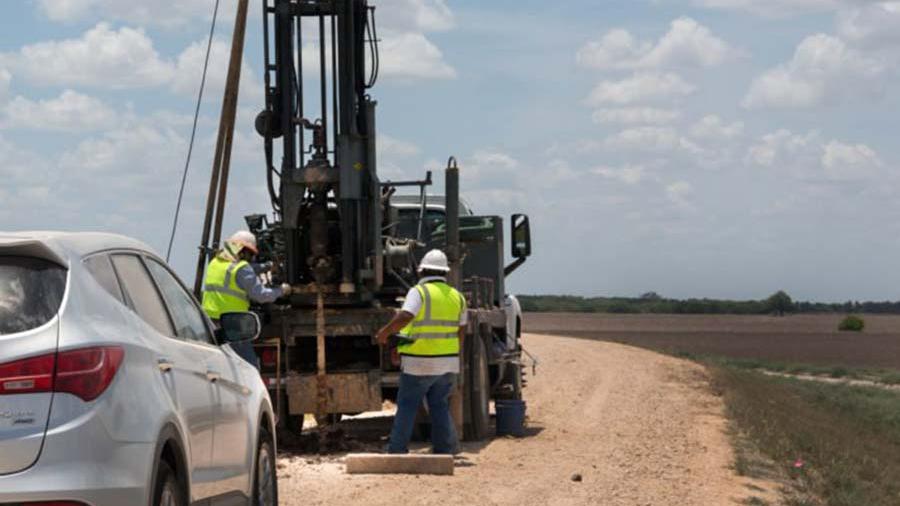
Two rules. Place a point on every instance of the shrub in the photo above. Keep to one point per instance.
(852, 324)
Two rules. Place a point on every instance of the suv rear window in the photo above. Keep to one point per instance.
(31, 291)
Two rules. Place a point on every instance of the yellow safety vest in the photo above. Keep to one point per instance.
(435, 330)
(221, 293)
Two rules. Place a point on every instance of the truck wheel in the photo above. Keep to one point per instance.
(478, 392)
(167, 491)
(265, 480)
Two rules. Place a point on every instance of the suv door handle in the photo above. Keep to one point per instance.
(164, 364)
(212, 376)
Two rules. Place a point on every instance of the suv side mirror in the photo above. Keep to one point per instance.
(239, 327)
(521, 236)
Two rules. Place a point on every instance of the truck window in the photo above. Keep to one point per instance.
(408, 222)
(31, 292)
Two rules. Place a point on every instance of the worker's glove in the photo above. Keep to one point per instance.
(286, 289)
(266, 267)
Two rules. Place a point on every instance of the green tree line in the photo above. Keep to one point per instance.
(652, 303)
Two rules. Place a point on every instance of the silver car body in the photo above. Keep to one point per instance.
(184, 398)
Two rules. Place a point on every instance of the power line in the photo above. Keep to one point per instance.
(187, 163)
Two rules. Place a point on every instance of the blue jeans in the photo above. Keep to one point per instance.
(436, 390)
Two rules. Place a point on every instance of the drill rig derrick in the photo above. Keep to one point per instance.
(328, 197)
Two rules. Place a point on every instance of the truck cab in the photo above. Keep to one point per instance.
(424, 218)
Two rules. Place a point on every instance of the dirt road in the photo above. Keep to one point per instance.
(640, 428)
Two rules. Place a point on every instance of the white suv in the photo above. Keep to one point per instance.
(115, 390)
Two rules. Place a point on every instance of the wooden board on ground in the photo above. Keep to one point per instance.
(373, 463)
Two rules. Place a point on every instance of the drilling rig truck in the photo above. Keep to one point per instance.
(349, 243)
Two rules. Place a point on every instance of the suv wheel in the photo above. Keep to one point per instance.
(167, 491)
(265, 482)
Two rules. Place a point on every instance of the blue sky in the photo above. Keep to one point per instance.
(718, 148)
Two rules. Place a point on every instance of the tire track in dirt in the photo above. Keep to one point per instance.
(640, 428)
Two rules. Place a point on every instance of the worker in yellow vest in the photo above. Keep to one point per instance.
(232, 282)
(431, 325)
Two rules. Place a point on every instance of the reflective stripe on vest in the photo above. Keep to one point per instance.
(221, 293)
(434, 332)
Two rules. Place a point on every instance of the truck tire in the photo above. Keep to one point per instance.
(478, 392)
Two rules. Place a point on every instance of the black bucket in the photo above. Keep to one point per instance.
(510, 418)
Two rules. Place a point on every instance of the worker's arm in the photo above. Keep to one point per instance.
(397, 323)
(259, 293)
(261, 268)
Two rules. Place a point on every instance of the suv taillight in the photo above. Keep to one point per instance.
(28, 376)
(85, 372)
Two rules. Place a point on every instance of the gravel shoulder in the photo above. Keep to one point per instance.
(639, 428)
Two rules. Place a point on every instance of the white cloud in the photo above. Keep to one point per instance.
(189, 71)
(712, 127)
(627, 174)
(783, 147)
(71, 111)
(5, 80)
(27, 181)
(843, 162)
(395, 148)
(126, 59)
(411, 56)
(169, 13)
(642, 87)
(644, 139)
(687, 44)
(872, 24)
(415, 15)
(824, 69)
(774, 8)
(679, 193)
(142, 157)
(483, 159)
(101, 57)
(807, 156)
(616, 49)
(636, 116)
(490, 169)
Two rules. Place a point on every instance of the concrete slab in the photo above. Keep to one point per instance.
(374, 463)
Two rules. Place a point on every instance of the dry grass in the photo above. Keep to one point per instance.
(840, 445)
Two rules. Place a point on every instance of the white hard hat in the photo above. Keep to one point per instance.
(243, 239)
(434, 260)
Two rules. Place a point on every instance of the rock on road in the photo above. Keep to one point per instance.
(639, 427)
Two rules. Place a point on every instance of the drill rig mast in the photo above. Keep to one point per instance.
(328, 197)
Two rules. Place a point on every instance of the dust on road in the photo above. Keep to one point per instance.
(638, 427)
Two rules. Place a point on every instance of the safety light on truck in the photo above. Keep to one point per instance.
(269, 357)
(85, 373)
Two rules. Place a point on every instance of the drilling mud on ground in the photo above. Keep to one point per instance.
(608, 424)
